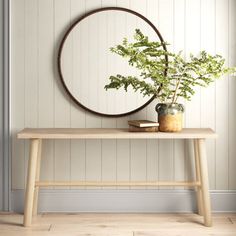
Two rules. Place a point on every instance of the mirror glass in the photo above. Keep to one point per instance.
(86, 63)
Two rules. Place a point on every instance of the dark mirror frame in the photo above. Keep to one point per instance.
(65, 37)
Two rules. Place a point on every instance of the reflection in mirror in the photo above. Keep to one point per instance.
(86, 62)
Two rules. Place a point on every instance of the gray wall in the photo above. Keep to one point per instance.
(1, 105)
(4, 106)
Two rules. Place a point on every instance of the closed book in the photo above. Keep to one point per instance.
(143, 123)
(142, 129)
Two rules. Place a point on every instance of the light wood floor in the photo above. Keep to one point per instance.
(118, 225)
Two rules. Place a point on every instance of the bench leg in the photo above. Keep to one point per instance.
(198, 178)
(36, 191)
(30, 185)
(204, 182)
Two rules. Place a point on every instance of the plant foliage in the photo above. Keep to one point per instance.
(170, 80)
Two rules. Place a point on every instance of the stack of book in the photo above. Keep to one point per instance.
(143, 126)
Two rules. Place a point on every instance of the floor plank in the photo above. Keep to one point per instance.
(88, 224)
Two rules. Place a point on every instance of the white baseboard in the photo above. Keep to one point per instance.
(124, 201)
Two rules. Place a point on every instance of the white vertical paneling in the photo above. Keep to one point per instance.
(31, 68)
(109, 153)
(165, 167)
(222, 106)
(232, 96)
(179, 160)
(31, 63)
(46, 82)
(152, 145)
(192, 45)
(61, 100)
(93, 147)
(17, 92)
(208, 108)
(78, 160)
(178, 45)
(123, 146)
(123, 160)
(189, 161)
(152, 160)
(38, 99)
(93, 160)
(138, 158)
(45, 63)
(78, 151)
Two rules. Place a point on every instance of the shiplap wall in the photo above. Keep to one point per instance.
(38, 100)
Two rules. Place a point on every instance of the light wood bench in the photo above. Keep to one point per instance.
(36, 135)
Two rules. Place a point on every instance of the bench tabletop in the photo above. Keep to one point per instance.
(114, 133)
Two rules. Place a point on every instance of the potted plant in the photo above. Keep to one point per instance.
(167, 80)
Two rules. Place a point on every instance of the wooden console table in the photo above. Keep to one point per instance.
(36, 136)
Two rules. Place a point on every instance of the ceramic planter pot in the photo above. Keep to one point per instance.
(170, 116)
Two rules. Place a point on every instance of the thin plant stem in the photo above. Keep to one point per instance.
(176, 89)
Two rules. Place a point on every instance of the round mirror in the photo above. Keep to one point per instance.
(85, 61)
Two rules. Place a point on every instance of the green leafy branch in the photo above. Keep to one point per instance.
(165, 79)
